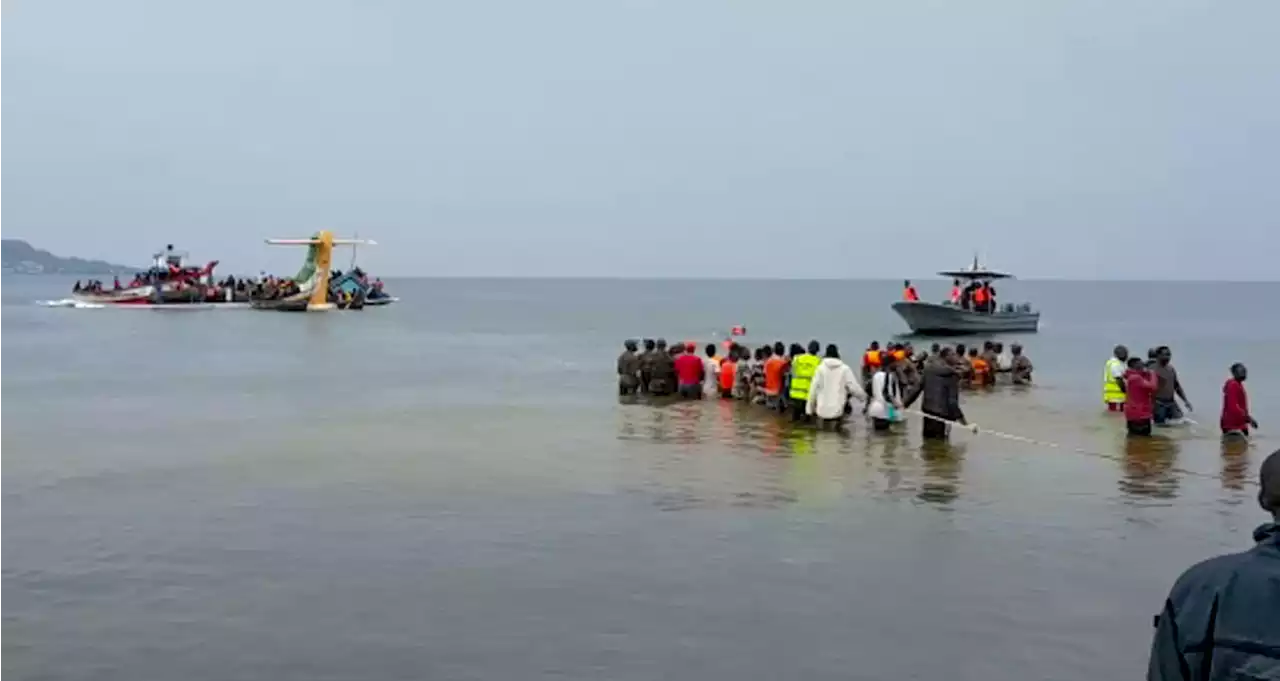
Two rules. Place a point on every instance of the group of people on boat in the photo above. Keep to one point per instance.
(1148, 393)
(977, 295)
(815, 385)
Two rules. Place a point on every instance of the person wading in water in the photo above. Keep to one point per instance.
(1221, 620)
(1236, 419)
(940, 389)
(628, 369)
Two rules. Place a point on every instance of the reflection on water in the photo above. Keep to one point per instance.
(942, 463)
(1148, 467)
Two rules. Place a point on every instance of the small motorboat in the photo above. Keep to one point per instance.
(950, 318)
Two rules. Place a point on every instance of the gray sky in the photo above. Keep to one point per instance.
(1080, 138)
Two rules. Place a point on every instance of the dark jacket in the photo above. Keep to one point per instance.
(1222, 618)
(940, 388)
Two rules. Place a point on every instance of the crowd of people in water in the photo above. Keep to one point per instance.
(814, 384)
(1147, 393)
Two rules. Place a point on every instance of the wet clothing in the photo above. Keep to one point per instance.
(939, 394)
(646, 368)
(728, 376)
(1221, 620)
(885, 397)
(1140, 428)
(662, 373)
(689, 370)
(774, 370)
(1140, 387)
(833, 384)
(628, 372)
(1165, 411)
(981, 371)
(711, 374)
(1020, 369)
(1235, 409)
(993, 365)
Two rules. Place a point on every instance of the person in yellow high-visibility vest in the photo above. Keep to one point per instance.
(802, 370)
(1113, 379)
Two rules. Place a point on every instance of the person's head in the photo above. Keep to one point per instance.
(1163, 355)
(1269, 484)
(766, 352)
(955, 282)
(759, 354)
(1151, 354)
(648, 344)
(973, 352)
(832, 351)
(1239, 372)
(711, 350)
(677, 349)
(1015, 349)
(999, 348)
(796, 349)
(988, 345)
(662, 344)
(947, 352)
(779, 349)
(630, 345)
(960, 349)
(1136, 363)
(935, 348)
(875, 345)
(906, 283)
(814, 347)
(690, 347)
(1121, 353)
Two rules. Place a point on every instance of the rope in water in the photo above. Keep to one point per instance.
(978, 430)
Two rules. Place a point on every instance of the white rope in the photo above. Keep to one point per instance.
(978, 430)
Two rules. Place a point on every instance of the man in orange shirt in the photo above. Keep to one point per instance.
(775, 371)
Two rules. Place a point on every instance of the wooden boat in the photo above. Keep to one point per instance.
(951, 319)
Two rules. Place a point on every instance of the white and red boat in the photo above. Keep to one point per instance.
(169, 282)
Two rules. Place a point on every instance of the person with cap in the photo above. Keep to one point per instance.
(662, 370)
(646, 363)
(1221, 620)
(628, 369)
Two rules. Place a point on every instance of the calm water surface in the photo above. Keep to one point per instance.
(448, 488)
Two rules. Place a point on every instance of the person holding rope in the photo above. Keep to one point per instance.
(940, 389)
(1222, 618)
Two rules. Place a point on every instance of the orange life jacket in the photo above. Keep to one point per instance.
(728, 372)
(872, 358)
(955, 294)
(979, 370)
(980, 295)
(899, 355)
(909, 293)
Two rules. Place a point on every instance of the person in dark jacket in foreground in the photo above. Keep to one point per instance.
(940, 387)
(1222, 618)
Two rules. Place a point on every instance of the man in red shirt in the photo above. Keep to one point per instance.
(689, 373)
(1236, 419)
(1139, 391)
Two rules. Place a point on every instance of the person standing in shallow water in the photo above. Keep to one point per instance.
(940, 389)
(662, 370)
(1221, 620)
(1166, 407)
(833, 385)
(1113, 388)
(1236, 419)
(628, 369)
(1140, 385)
(1020, 366)
(646, 364)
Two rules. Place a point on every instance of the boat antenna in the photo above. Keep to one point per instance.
(975, 261)
(356, 238)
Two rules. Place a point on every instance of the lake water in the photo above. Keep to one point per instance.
(449, 488)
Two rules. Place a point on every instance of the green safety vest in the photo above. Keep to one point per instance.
(802, 369)
(1111, 393)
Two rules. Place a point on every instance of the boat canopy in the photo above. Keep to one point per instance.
(976, 274)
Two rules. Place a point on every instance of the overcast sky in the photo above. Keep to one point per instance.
(834, 138)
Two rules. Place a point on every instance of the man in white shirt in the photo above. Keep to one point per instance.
(829, 392)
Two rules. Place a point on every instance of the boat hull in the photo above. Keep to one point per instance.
(939, 319)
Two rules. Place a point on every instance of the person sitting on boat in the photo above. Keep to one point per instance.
(909, 292)
(955, 292)
(115, 283)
